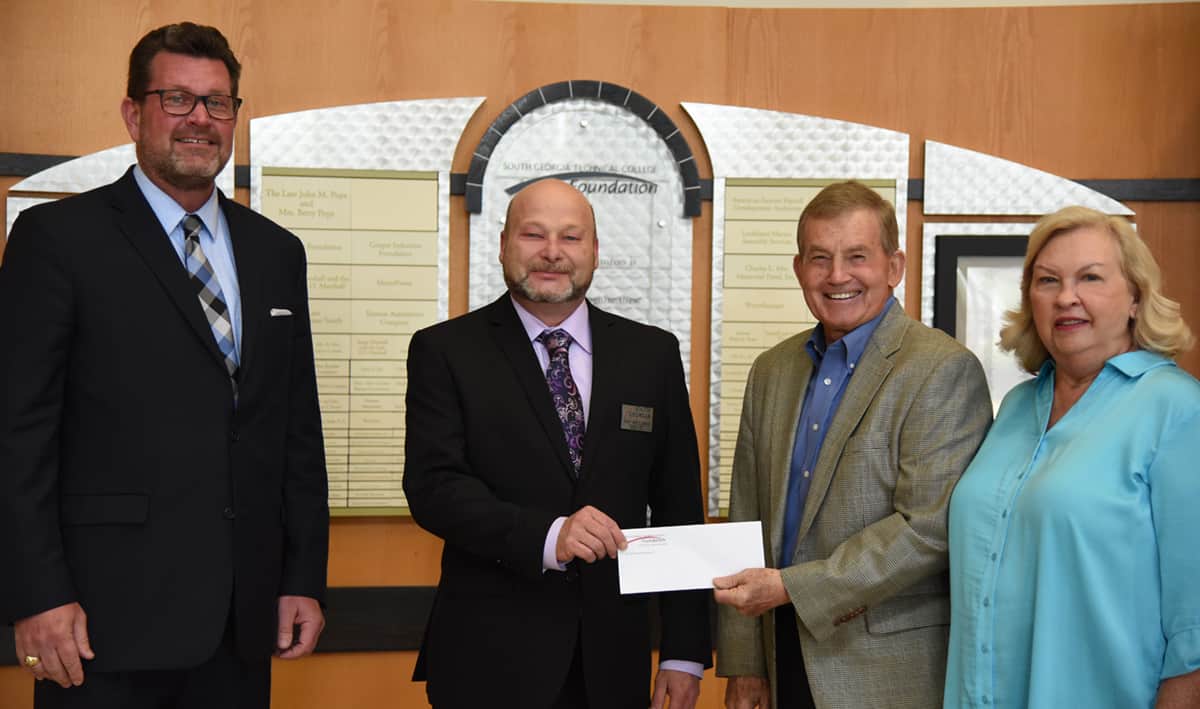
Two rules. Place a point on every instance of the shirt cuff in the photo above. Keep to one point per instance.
(692, 668)
(1183, 653)
(549, 549)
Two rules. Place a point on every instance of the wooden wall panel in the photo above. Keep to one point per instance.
(379, 681)
(16, 688)
(1085, 92)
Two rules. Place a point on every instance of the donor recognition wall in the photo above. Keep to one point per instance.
(366, 190)
(371, 240)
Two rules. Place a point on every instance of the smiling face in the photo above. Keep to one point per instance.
(846, 275)
(181, 154)
(549, 249)
(1081, 301)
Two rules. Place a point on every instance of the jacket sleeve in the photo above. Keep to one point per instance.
(306, 485)
(740, 649)
(36, 319)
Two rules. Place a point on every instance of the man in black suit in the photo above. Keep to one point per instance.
(163, 499)
(528, 450)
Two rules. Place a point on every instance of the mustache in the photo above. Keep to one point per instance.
(201, 134)
(548, 267)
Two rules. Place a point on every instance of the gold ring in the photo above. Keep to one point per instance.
(32, 661)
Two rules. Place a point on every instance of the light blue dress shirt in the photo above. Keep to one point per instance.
(214, 241)
(1075, 551)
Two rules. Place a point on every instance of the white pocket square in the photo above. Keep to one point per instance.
(280, 312)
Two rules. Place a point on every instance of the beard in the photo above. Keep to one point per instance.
(182, 171)
(517, 280)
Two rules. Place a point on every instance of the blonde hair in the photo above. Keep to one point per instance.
(1157, 325)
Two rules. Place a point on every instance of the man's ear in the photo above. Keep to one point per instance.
(131, 113)
(895, 269)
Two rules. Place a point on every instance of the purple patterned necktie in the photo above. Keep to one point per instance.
(565, 394)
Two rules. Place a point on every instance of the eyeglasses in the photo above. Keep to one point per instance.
(181, 103)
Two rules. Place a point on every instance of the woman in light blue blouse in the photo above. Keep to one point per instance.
(1075, 532)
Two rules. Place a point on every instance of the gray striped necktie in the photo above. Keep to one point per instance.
(209, 291)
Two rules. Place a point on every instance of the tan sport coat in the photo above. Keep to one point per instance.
(868, 580)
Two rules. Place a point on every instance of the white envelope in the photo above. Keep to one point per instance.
(688, 556)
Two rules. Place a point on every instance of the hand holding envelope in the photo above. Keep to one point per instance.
(688, 556)
(589, 535)
(751, 592)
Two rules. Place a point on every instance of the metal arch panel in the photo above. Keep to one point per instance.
(612, 94)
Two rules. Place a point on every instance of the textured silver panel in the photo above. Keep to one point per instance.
(714, 381)
(416, 135)
(15, 205)
(645, 240)
(961, 181)
(749, 142)
(95, 170)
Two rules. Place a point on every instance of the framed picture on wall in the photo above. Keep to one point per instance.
(976, 280)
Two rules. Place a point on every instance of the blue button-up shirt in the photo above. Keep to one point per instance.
(832, 366)
(214, 241)
(1073, 562)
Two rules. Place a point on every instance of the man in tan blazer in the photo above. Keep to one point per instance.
(852, 437)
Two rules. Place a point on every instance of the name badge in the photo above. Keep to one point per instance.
(637, 418)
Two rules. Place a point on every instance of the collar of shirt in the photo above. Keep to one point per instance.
(1132, 364)
(214, 240)
(579, 357)
(854, 341)
(169, 213)
(577, 325)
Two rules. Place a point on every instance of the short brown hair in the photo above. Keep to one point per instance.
(1158, 325)
(845, 197)
(185, 38)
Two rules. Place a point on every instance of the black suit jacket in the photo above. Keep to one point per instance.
(130, 483)
(487, 470)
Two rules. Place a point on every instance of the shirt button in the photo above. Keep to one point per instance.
(851, 365)
(227, 513)
(986, 700)
(816, 427)
(984, 649)
(993, 556)
(806, 473)
(828, 381)
(1004, 513)
(986, 602)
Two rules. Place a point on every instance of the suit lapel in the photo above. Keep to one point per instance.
(861, 390)
(606, 365)
(509, 335)
(249, 265)
(786, 396)
(138, 224)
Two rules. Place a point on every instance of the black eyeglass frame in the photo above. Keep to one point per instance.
(237, 102)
